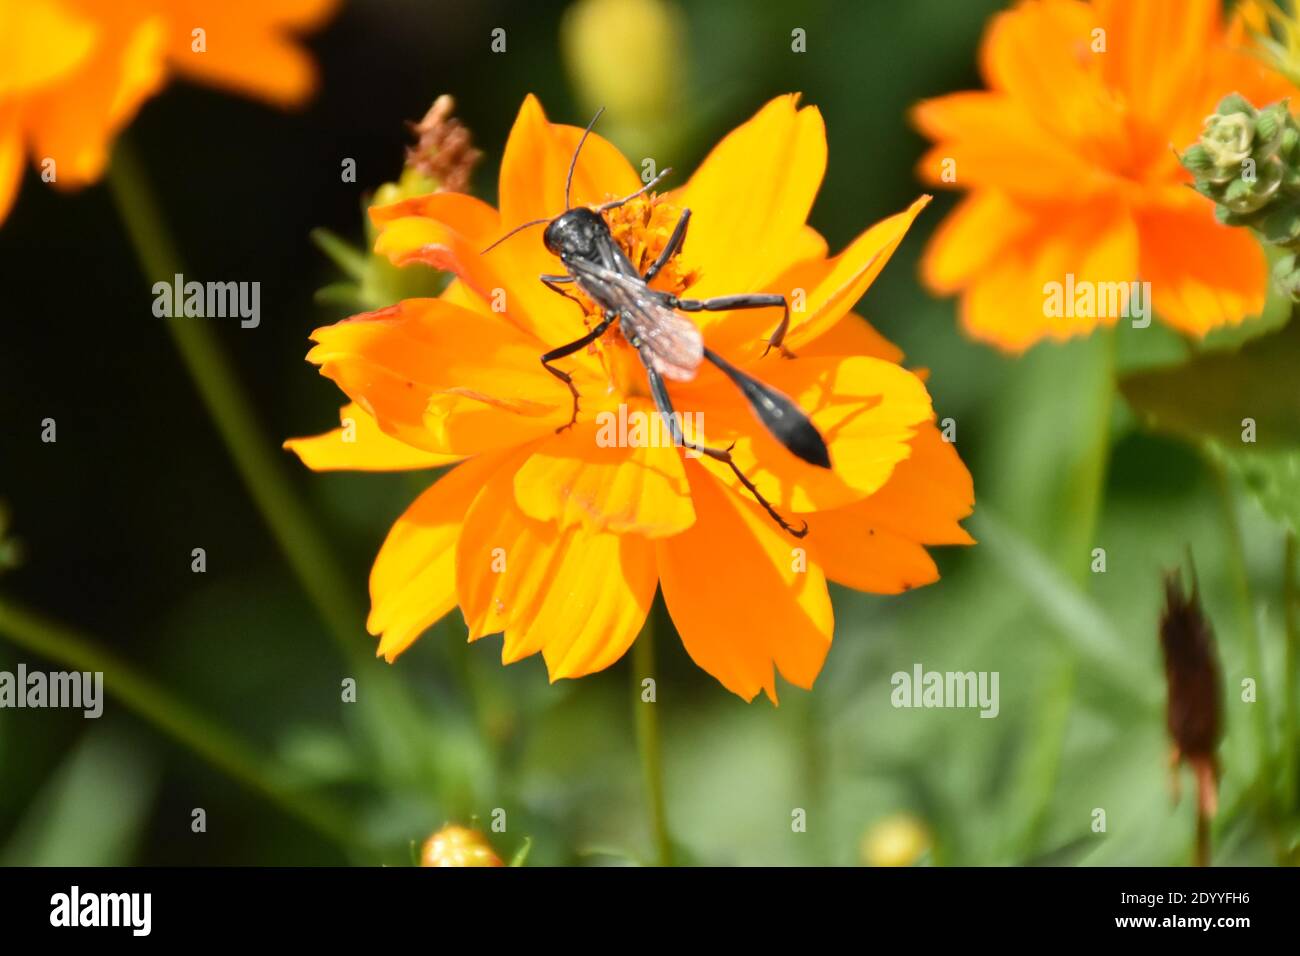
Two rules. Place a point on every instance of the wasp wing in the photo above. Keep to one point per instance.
(672, 341)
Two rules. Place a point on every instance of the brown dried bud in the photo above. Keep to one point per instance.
(1194, 716)
(443, 150)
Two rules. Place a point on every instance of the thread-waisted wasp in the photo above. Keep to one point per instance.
(670, 346)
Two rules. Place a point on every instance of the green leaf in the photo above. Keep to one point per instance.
(521, 855)
(94, 809)
(1273, 477)
(1211, 397)
(349, 258)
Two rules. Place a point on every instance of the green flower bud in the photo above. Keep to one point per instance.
(1196, 160)
(1226, 217)
(1281, 227)
(1286, 276)
(1291, 180)
(1290, 140)
(1228, 138)
(1235, 103)
(1254, 188)
(1238, 196)
(1269, 126)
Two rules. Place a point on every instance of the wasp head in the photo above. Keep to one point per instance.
(575, 233)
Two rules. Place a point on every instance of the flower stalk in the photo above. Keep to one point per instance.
(213, 743)
(648, 740)
(263, 475)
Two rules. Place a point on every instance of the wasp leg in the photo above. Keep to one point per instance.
(569, 349)
(757, 300)
(553, 283)
(665, 405)
(672, 247)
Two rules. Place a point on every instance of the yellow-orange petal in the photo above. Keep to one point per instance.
(535, 165)
(972, 238)
(867, 410)
(877, 544)
(360, 445)
(75, 125)
(602, 588)
(449, 231)
(534, 168)
(619, 472)
(1024, 297)
(750, 199)
(413, 581)
(578, 596)
(776, 615)
(1045, 56)
(1185, 32)
(820, 292)
(11, 159)
(1203, 275)
(249, 48)
(467, 215)
(441, 377)
(992, 140)
(41, 42)
(852, 335)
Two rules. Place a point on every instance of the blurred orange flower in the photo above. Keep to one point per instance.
(74, 72)
(559, 539)
(1069, 161)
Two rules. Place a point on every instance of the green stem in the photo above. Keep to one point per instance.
(1291, 670)
(263, 472)
(648, 739)
(1083, 500)
(213, 743)
(1240, 577)
(1090, 477)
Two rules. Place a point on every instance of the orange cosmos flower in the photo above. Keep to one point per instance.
(74, 72)
(559, 538)
(1072, 176)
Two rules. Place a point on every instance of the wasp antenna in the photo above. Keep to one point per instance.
(518, 228)
(630, 196)
(573, 163)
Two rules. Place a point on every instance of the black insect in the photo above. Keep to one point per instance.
(670, 346)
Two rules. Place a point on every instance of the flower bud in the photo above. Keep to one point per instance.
(898, 840)
(444, 152)
(1270, 124)
(1228, 139)
(626, 55)
(1194, 712)
(1286, 276)
(458, 846)
(1247, 162)
(1235, 103)
(1197, 159)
